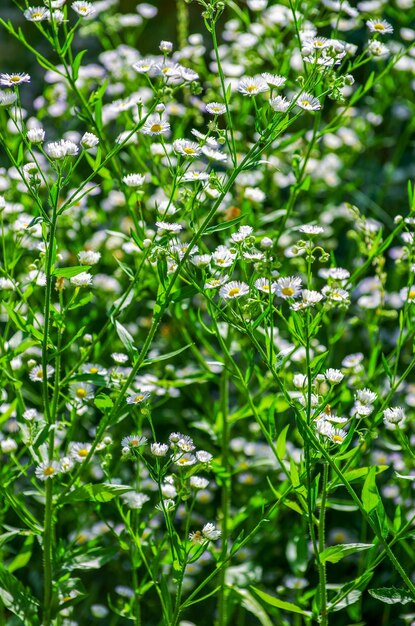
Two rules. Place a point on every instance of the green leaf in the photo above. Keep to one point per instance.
(251, 605)
(23, 558)
(96, 493)
(391, 595)
(169, 355)
(351, 598)
(334, 554)
(223, 226)
(18, 599)
(370, 494)
(103, 402)
(126, 338)
(281, 442)
(69, 272)
(280, 604)
(76, 64)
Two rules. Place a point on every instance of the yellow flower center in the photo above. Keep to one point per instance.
(234, 291)
(37, 15)
(379, 27)
(287, 291)
(15, 79)
(81, 392)
(138, 398)
(39, 374)
(337, 438)
(265, 287)
(156, 128)
(305, 103)
(411, 294)
(49, 471)
(93, 370)
(251, 88)
(83, 452)
(189, 151)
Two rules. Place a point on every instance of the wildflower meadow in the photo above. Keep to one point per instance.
(207, 281)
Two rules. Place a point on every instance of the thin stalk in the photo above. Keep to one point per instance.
(321, 546)
(226, 489)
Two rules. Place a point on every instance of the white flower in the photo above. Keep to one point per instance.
(82, 391)
(311, 229)
(8, 445)
(47, 470)
(61, 149)
(168, 227)
(210, 532)
(36, 135)
(66, 464)
(133, 441)
(159, 449)
(89, 257)
(265, 285)
(251, 86)
(223, 257)
(379, 26)
(143, 66)
(195, 176)
(214, 155)
(155, 126)
(289, 287)
(279, 104)
(36, 373)
(308, 102)
(299, 381)
(36, 14)
(377, 48)
(242, 234)
(338, 435)
(197, 482)
(214, 283)
(84, 9)
(183, 460)
(215, 108)
(334, 376)
(203, 456)
(89, 140)
(79, 451)
(274, 80)
(139, 397)
(234, 289)
(186, 148)
(394, 418)
(365, 396)
(134, 499)
(166, 46)
(134, 180)
(7, 98)
(81, 280)
(11, 80)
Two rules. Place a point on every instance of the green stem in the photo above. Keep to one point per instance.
(321, 546)
(226, 489)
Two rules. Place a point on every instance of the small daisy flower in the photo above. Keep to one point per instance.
(93, 368)
(82, 391)
(89, 140)
(223, 257)
(47, 470)
(197, 482)
(394, 418)
(79, 451)
(11, 80)
(89, 257)
(168, 227)
(186, 444)
(196, 537)
(252, 86)
(265, 285)
(334, 376)
(308, 102)
(183, 460)
(338, 435)
(215, 108)
(379, 26)
(289, 287)
(190, 177)
(243, 233)
(139, 397)
(143, 66)
(119, 357)
(366, 396)
(36, 373)
(273, 80)
(133, 441)
(159, 449)
(155, 126)
(36, 135)
(134, 499)
(311, 229)
(134, 180)
(186, 148)
(234, 289)
(66, 464)
(209, 531)
(7, 98)
(214, 283)
(280, 104)
(84, 9)
(377, 48)
(82, 280)
(36, 14)
(203, 456)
